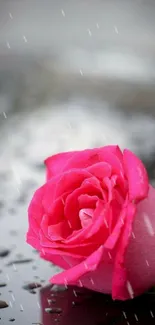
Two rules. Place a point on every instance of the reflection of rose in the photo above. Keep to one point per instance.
(94, 217)
(81, 307)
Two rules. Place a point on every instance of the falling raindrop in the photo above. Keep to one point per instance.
(152, 315)
(63, 13)
(9, 47)
(75, 293)
(10, 14)
(92, 281)
(133, 235)
(10, 303)
(13, 297)
(116, 29)
(130, 290)
(89, 32)
(38, 304)
(85, 265)
(136, 317)
(80, 283)
(21, 307)
(14, 267)
(147, 263)
(4, 114)
(124, 314)
(24, 38)
(148, 224)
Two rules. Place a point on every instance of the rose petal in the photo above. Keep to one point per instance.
(59, 247)
(100, 170)
(61, 184)
(35, 209)
(55, 164)
(140, 261)
(33, 241)
(116, 231)
(119, 283)
(73, 274)
(71, 208)
(64, 262)
(85, 216)
(136, 175)
(71, 180)
(96, 232)
(87, 201)
(89, 157)
(56, 213)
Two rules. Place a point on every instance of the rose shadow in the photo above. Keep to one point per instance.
(78, 306)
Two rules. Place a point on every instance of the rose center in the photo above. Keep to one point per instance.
(85, 216)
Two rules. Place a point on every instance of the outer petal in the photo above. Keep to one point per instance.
(136, 175)
(86, 158)
(94, 273)
(140, 256)
(120, 288)
(35, 213)
(75, 273)
(56, 163)
(64, 161)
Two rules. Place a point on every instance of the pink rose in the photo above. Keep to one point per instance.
(95, 218)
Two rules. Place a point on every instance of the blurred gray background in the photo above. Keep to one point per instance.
(73, 74)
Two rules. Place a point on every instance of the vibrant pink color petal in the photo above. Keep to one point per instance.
(116, 232)
(140, 255)
(87, 201)
(56, 212)
(35, 209)
(61, 184)
(120, 281)
(74, 274)
(33, 241)
(85, 216)
(59, 247)
(97, 231)
(136, 175)
(72, 208)
(100, 170)
(70, 181)
(56, 163)
(98, 280)
(64, 262)
(89, 157)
